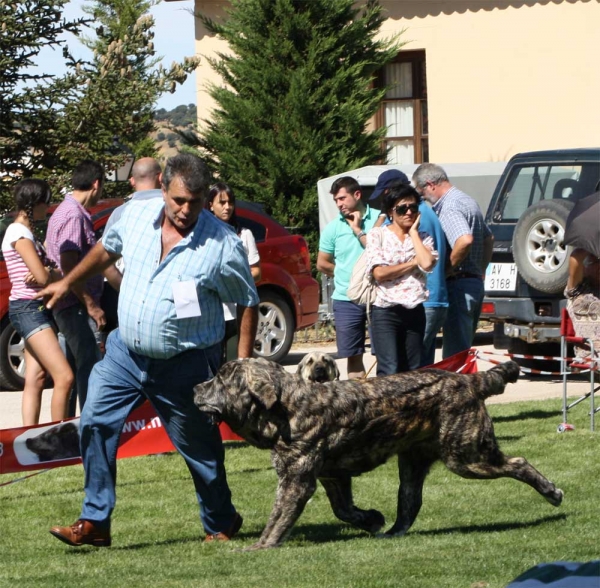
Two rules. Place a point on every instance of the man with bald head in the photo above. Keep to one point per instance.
(146, 176)
(145, 180)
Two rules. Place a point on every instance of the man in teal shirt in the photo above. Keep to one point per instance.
(341, 244)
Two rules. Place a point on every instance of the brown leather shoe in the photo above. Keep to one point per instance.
(236, 525)
(83, 533)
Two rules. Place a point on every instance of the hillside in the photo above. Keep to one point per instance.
(181, 117)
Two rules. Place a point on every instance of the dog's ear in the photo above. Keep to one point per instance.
(263, 383)
(335, 371)
(306, 360)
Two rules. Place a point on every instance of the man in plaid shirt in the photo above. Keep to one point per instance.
(69, 238)
(181, 264)
(471, 244)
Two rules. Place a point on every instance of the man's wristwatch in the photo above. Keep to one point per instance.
(361, 234)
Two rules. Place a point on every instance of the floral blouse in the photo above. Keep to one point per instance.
(384, 248)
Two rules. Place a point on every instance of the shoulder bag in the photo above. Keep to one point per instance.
(362, 288)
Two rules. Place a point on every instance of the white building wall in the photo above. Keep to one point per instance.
(503, 76)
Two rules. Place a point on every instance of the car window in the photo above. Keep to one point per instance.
(104, 215)
(4, 222)
(528, 185)
(258, 230)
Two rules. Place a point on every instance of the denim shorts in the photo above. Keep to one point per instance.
(350, 327)
(29, 316)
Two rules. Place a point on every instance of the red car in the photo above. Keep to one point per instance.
(289, 295)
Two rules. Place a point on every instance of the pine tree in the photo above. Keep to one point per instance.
(117, 90)
(48, 124)
(297, 98)
(27, 97)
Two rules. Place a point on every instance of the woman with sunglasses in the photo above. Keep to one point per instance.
(29, 271)
(399, 256)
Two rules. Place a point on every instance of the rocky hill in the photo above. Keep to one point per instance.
(181, 117)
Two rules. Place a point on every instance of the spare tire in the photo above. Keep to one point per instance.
(541, 256)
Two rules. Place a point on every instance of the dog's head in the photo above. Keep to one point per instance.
(318, 367)
(60, 442)
(245, 394)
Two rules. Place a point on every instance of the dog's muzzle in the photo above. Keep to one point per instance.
(211, 412)
(320, 375)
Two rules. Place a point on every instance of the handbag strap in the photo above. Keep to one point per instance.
(378, 234)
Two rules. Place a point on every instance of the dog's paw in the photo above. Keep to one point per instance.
(397, 530)
(390, 534)
(556, 497)
(373, 521)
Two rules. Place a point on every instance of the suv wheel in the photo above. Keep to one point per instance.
(275, 332)
(538, 248)
(12, 359)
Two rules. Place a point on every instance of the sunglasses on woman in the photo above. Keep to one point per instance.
(402, 209)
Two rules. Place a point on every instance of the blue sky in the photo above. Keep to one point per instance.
(173, 40)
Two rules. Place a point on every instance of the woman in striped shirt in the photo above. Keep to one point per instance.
(25, 263)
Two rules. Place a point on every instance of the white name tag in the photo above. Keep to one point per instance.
(229, 311)
(186, 299)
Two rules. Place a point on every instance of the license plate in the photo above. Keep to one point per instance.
(501, 277)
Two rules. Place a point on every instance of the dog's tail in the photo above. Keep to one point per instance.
(494, 381)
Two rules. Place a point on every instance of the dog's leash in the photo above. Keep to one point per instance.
(370, 369)
(23, 478)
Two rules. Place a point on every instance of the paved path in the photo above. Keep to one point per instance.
(527, 388)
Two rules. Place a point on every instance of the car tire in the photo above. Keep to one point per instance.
(275, 332)
(540, 254)
(12, 359)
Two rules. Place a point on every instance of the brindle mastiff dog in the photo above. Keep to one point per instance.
(331, 432)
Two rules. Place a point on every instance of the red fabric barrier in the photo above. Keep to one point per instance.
(54, 445)
(464, 362)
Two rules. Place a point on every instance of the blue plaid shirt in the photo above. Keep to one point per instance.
(211, 255)
(460, 215)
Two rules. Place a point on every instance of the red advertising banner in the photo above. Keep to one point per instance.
(54, 445)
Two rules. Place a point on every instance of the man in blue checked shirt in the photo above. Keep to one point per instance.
(181, 264)
(471, 245)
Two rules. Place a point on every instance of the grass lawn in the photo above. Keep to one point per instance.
(471, 534)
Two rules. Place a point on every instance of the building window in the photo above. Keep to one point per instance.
(403, 110)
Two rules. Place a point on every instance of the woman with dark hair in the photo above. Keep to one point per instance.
(29, 271)
(221, 201)
(398, 257)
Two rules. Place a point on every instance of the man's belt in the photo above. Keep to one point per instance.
(461, 275)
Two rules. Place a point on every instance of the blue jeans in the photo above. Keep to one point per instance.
(398, 335)
(82, 349)
(435, 317)
(121, 382)
(465, 297)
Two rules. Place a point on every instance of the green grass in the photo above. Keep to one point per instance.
(472, 534)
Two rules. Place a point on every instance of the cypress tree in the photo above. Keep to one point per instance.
(297, 97)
